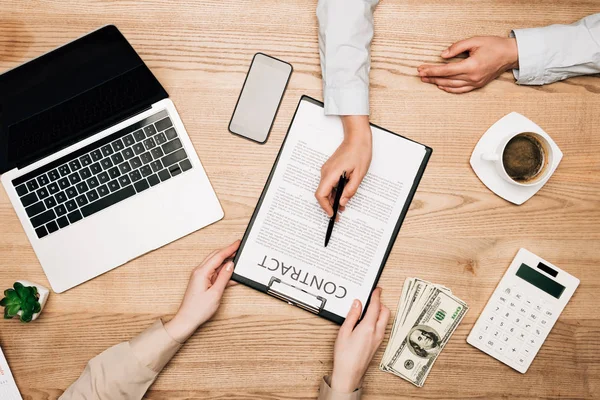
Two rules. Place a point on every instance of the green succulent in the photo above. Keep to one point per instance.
(19, 298)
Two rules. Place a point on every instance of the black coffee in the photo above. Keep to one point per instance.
(523, 158)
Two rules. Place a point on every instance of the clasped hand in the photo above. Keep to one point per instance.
(489, 57)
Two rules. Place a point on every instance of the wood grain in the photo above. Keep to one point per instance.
(456, 233)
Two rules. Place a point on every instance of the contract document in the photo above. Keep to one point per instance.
(283, 253)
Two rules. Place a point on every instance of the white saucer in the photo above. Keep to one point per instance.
(489, 142)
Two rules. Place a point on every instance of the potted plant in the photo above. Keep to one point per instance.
(25, 299)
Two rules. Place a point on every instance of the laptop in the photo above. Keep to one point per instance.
(95, 159)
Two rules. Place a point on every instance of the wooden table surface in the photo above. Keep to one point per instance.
(456, 233)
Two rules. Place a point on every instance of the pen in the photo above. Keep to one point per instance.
(336, 205)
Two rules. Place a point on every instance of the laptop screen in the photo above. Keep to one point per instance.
(71, 93)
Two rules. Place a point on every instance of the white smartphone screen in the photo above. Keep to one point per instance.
(260, 97)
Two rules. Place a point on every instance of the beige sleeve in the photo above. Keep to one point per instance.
(327, 393)
(127, 370)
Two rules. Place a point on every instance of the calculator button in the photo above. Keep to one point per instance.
(485, 328)
(548, 313)
(528, 326)
(512, 304)
(502, 299)
(537, 331)
(490, 343)
(507, 313)
(527, 351)
(507, 290)
(502, 323)
(518, 320)
(480, 337)
(500, 348)
(497, 309)
(492, 318)
(544, 322)
(513, 330)
(523, 310)
(521, 359)
(519, 296)
(495, 334)
(534, 316)
(538, 307)
(522, 335)
(505, 339)
(532, 341)
(512, 348)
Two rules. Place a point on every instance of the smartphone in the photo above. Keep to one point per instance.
(260, 98)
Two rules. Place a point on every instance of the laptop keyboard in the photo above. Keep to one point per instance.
(109, 171)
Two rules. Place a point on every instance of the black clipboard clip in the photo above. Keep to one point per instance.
(296, 296)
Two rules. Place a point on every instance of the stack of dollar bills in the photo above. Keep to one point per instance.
(427, 316)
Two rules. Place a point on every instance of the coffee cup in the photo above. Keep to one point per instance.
(522, 158)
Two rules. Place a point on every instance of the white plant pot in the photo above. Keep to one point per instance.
(42, 291)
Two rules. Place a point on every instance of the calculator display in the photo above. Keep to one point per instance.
(540, 281)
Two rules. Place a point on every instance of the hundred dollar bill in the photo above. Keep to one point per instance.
(414, 293)
(396, 324)
(406, 290)
(401, 305)
(425, 338)
(410, 294)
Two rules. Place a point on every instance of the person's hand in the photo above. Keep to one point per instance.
(203, 294)
(489, 57)
(355, 346)
(352, 156)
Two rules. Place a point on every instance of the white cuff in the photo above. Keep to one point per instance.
(532, 50)
(346, 101)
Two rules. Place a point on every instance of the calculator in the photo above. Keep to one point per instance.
(522, 310)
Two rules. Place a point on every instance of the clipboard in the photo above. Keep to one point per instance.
(297, 296)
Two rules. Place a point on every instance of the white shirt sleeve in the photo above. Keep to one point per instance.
(345, 34)
(557, 52)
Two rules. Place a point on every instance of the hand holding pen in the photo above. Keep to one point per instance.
(336, 205)
(353, 156)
